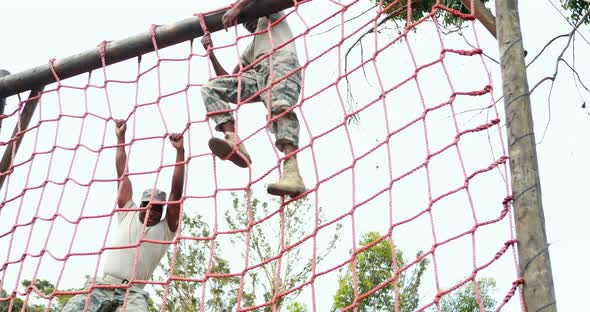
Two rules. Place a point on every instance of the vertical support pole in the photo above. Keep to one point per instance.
(17, 134)
(3, 73)
(533, 251)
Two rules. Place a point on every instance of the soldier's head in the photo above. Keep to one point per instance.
(251, 25)
(153, 200)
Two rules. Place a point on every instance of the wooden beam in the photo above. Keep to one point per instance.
(482, 14)
(121, 50)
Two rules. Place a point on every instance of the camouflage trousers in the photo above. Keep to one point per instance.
(108, 299)
(279, 97)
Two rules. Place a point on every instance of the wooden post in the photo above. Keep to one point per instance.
(3, 73)
(17, 134)
(121, 50)
(533, 251)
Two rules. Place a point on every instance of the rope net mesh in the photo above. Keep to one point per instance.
(401, 148)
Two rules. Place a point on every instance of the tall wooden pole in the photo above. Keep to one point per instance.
(124, 49)
(533, 251)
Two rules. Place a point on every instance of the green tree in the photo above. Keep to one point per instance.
(396, 16)
(191, 260)
(46, 288)
(373, 267)
(62, 300)
(578, 9)
(5, 305)
(464, 299)
(266, 241)
(297, 307)
(397, 11)
(192, 257)
(152, 306)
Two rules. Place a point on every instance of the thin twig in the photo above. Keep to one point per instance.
(474, 47)
(346, 21)
(545, 47)
(568, 21)
(554, 76)
(577, 75)
(374, 28)
(447, 31)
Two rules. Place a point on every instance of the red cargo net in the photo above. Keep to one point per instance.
(402, 150)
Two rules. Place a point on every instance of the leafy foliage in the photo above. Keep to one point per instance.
(577, 8)
(192, 257)
(296, 307)
(397, 10)
(43, 286)
(46, 288)
(191, 260)
(265, 243)
(464, 299)
(373, 267)
(5, 305)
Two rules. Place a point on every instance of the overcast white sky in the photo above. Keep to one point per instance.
(35, 31)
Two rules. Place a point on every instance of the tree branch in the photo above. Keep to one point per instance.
(346, 21)
(555, 73)
(482, 14)
(474, 47)
(349, 95)
(545, 47)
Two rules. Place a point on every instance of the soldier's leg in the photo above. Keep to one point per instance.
(78, 302)
(284, 123)
(97, 297)
(281, 96)
(216, 95)
(137, 301)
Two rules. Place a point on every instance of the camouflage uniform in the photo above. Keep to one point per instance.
(108, 299)
(285, 94)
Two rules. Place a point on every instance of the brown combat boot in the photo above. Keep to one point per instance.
(291, 183)
(227, 148)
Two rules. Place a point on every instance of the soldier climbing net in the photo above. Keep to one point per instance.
(402, 150)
